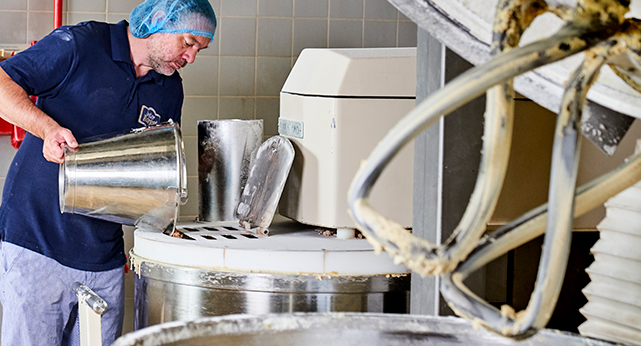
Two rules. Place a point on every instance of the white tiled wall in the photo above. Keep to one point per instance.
(243, 70)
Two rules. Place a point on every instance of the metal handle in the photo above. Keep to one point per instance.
(85, 294)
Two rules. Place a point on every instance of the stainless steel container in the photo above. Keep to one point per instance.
(337, 329)
(225, 149)
(217, 268)
(167, 292)
(134, 178)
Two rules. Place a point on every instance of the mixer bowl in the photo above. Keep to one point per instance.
(221, 269)
(336, 329)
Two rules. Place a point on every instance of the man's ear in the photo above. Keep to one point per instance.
(158, 17)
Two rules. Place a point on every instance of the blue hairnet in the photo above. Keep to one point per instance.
(174, 17)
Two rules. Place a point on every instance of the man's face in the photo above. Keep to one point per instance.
(169, 52)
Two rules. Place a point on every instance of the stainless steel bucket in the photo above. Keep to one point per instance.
(336, 329)
(225, 150)
(133, 178)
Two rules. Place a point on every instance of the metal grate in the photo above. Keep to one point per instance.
(214, 233)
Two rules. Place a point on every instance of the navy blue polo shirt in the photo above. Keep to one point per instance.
(85, 80)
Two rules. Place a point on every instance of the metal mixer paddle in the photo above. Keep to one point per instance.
(597, 27)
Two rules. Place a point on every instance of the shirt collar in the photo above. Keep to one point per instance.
(120, 50)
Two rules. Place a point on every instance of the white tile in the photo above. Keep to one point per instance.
(191, 154)
(345, 34)
(348, 9)
(276, 8)
(274, 37)
(379, 9)
(214, 46)
(309, 33)
(236, 76)
(190, 209)
(237, 36)
(311, 8)
(379, 34)
(201, 77)
(215, 5)
(122, 6)
(83, 5)
(15, 5)
(46, 5)
(238, 7)
(13, 27)
(237, 108)
(197, 108)
(267, 108)
(40, 25)
(407, 34)
(271, 75)
(75, 18)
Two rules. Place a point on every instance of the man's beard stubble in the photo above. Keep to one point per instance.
(156, 61)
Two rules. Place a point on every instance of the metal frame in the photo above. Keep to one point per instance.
(90, 309)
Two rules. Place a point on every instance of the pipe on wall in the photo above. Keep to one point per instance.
(57, 13)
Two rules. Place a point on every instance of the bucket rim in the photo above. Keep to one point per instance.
(62, 182)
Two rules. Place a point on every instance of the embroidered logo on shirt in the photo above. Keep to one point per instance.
(148, 116)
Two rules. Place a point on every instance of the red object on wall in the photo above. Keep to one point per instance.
(17, 133)
(5, 127)
(57, 14)
(17, 136)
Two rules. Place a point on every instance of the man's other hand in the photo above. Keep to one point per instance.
(55, 140)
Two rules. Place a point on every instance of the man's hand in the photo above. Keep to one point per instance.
(55, 140)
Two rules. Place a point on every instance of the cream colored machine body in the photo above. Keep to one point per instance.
(335, 106)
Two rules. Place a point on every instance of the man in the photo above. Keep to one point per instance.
(90, 79)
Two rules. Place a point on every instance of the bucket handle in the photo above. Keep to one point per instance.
(183, 196)
(182, 191)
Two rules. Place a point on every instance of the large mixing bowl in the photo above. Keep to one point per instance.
(336, 329)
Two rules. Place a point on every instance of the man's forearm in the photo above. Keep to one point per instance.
(16, 107)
